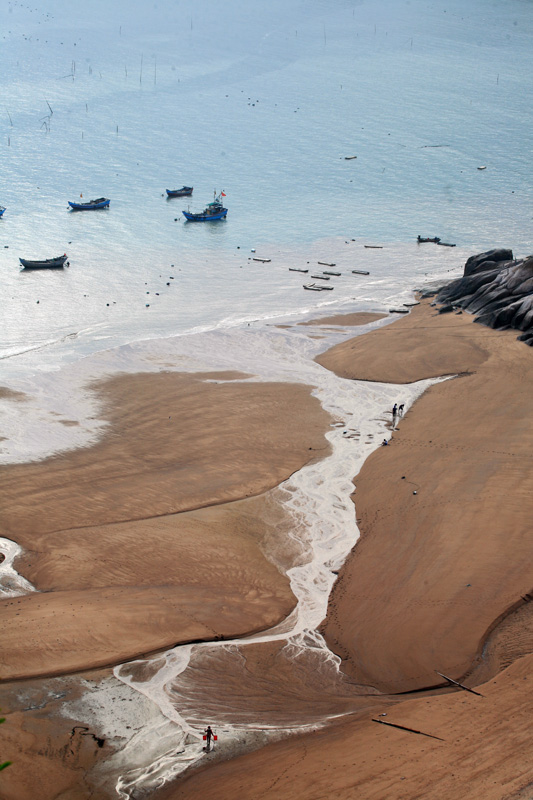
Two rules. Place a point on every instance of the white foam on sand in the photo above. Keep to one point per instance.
(163, 734)
(11, 583)
(318, 497)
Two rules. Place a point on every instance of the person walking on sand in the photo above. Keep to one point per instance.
(400, 410)
(394, 410)
(208, 735)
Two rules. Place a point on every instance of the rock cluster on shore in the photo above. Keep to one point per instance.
(498, 289)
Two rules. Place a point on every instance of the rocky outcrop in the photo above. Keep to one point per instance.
(487, 260)
(497, 289)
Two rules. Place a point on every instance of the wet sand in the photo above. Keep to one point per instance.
(118, 569)
(439, 581)
(351, 320)
(163, 532)
(443, 511)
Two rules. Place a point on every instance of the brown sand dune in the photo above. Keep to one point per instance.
(432, 571)
(111, 593)
(175, 442)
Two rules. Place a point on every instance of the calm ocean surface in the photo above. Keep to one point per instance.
(263, 101)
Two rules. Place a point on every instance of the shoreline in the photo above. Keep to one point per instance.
(322, 764)
(66, 558)
(366, 353)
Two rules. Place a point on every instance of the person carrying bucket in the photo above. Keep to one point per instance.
(208, 735)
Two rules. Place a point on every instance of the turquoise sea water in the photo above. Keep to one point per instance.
(264, 101)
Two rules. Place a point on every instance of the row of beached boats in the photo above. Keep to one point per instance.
(325, 276)
(213, 211)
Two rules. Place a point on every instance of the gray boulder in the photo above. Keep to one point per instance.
(497, 289)
(486, 261)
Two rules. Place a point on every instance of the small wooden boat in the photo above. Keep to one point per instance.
(321, 277)
(297, 269)
(185, 191)
(421, 239)
(100, 202)
(482, 167)
(373, 246)
(47, 263)
(213, 211)
(325, 264)
(263, 260)
(445, 244)
(2, 209)
(349, 158)
(312, 287)
(360, 272)
(398, 310)
(327, 272)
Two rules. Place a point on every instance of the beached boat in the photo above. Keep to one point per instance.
(360, 272)
(434, 239)
(314, 288)
(213, 211)
(2, 209)
(100, 202)
(185, 191)
(297, 269)
(47, 263)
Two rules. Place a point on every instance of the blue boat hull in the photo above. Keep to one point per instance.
(2, 209)
(204, 217)
(88, 206)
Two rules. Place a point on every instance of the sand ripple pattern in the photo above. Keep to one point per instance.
(285, 679)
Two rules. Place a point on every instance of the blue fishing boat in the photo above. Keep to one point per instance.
(185, 191)
(2, 209)
(100, 202)
(47, 263)
(214, 210)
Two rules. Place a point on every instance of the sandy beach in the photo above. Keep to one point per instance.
(119, 571)
(438, 582)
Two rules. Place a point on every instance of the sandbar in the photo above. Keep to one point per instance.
(439, 581)
(105, 535)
